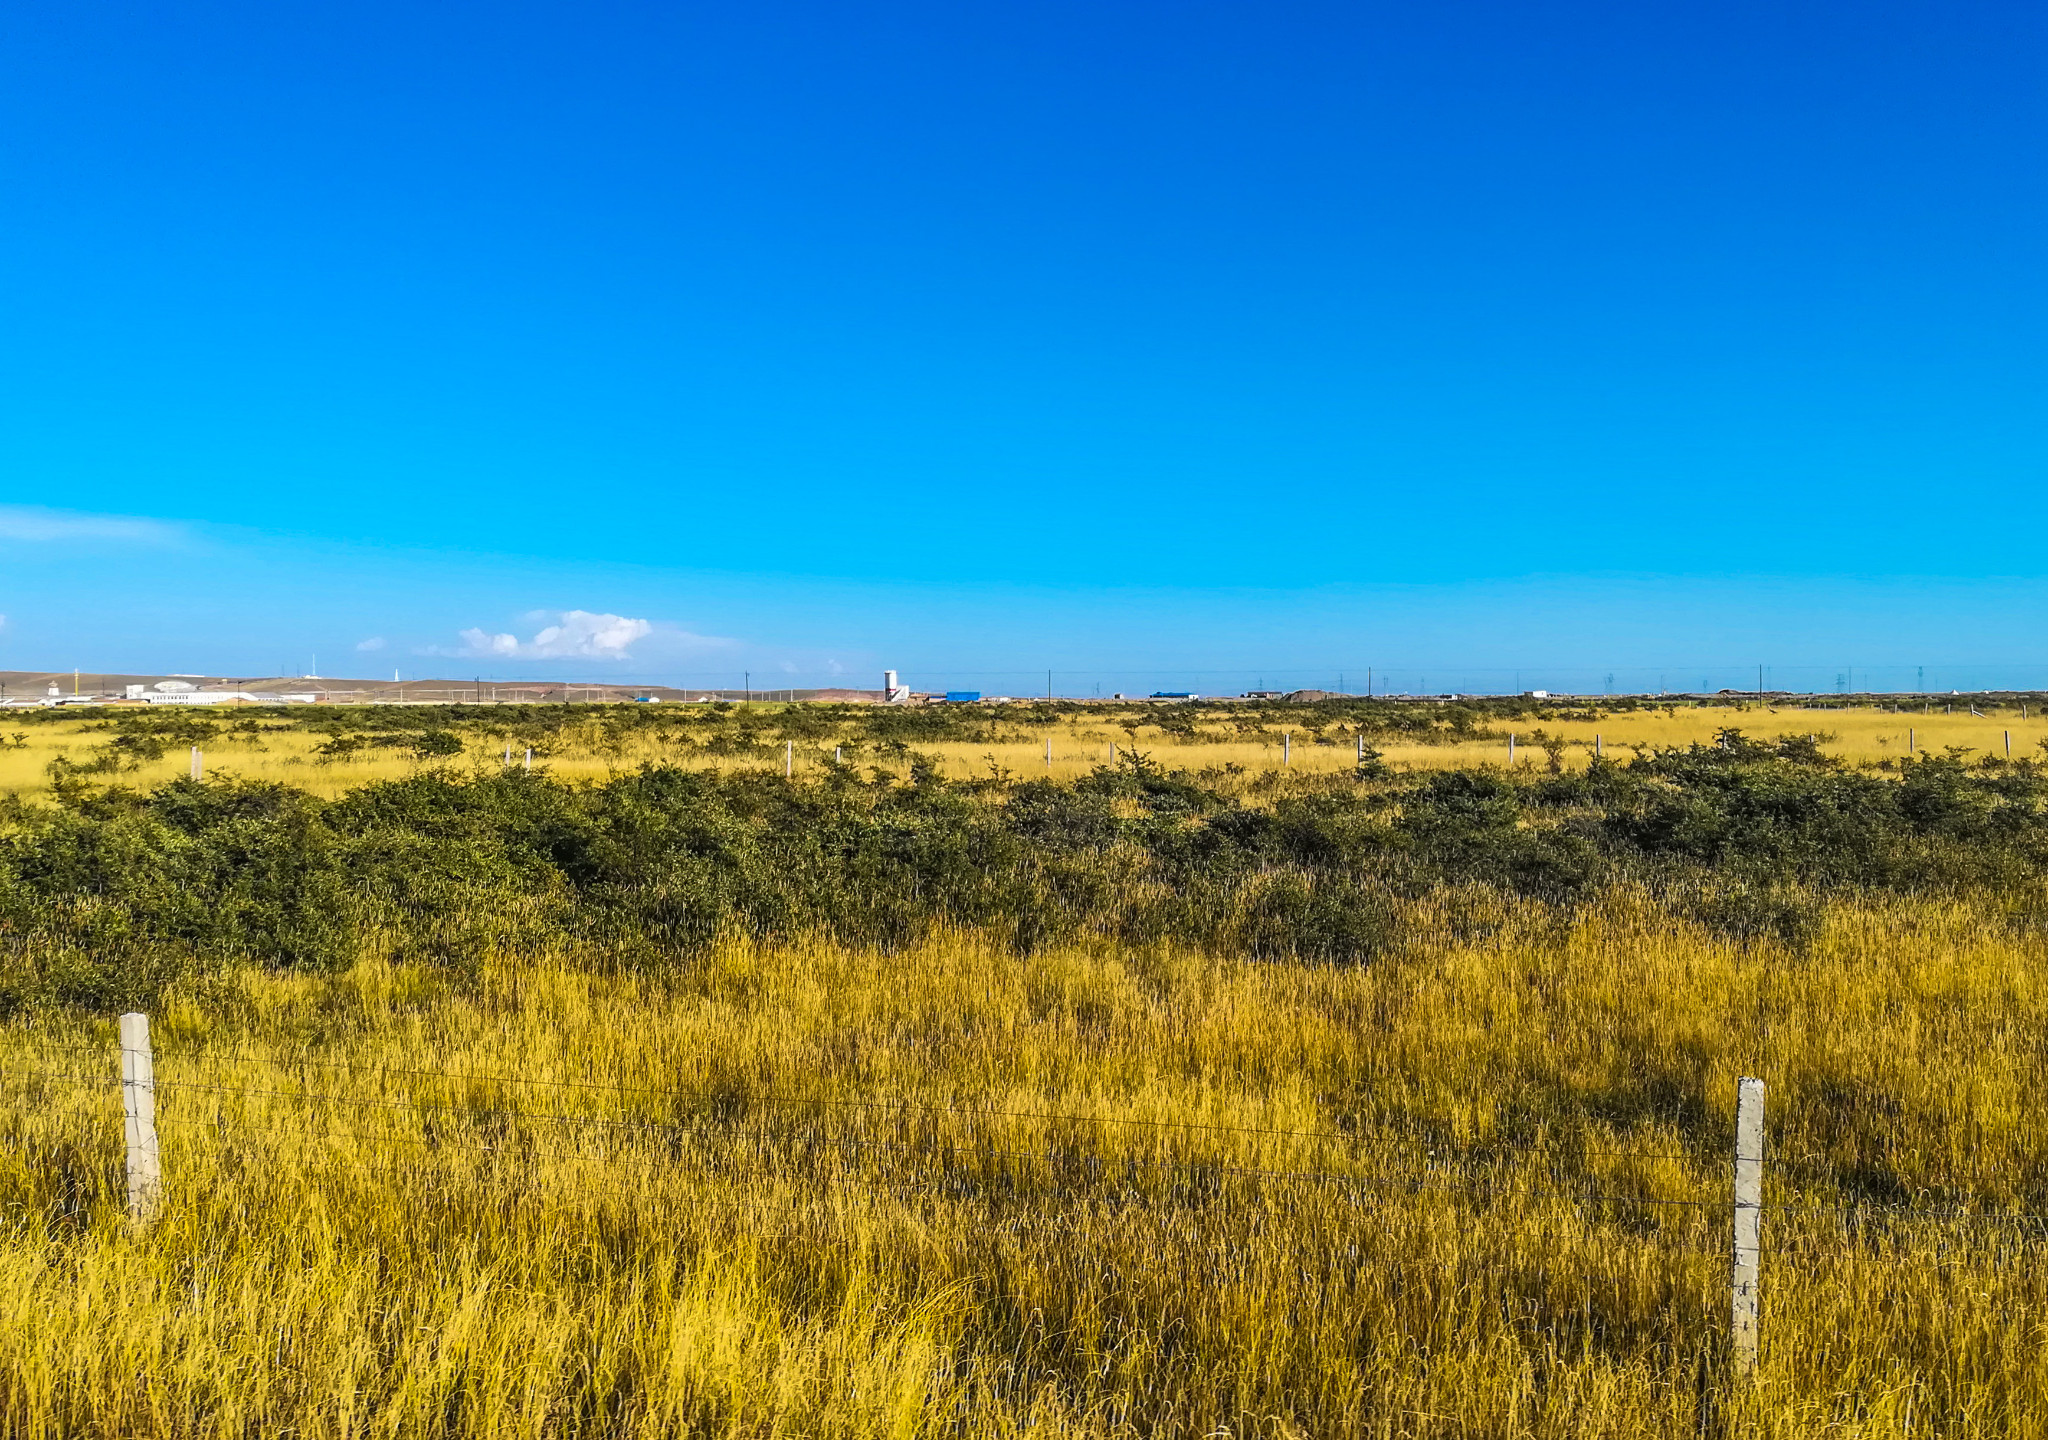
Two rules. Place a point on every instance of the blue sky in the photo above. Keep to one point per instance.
(1143, 342)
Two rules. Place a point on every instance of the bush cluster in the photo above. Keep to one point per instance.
(108, 895)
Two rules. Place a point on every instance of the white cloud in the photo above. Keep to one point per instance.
(580, 635)
(584, 634)
(476, 642)
(33, 525)
(375, 642)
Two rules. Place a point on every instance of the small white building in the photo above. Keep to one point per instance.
(189, 696)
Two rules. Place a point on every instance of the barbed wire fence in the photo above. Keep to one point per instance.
(1379, 1162)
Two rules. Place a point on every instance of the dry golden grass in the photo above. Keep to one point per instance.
(1861, 736)
(812, 1191)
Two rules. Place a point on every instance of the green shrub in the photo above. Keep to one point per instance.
(111, 892)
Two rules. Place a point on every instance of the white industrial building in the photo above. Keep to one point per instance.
(180, 692)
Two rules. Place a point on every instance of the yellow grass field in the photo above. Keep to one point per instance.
(1080, 743)
(1477, 1185)
(806, 1191)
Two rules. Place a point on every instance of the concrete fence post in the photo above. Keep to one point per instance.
(1745, 1274)
(138, 1102)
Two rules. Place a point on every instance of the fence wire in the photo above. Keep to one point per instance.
(706, 1095)
(723, 1142)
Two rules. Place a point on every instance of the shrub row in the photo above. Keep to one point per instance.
(112, 893)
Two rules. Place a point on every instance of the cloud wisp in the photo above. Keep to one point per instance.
(34, 525)
(581, 635)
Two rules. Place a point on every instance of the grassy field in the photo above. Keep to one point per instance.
(1081, 741)
(682, 1100)
(810, 1191)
